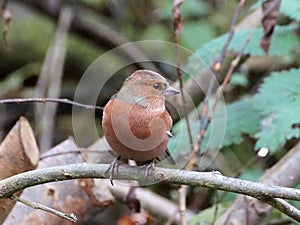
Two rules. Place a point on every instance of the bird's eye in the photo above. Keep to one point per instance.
(156, 86)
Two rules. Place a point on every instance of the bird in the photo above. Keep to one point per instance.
(136, 123)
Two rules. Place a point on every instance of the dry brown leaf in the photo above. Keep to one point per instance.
(177, 21)
(270, 14)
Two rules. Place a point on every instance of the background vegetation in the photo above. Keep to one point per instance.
(262, 98)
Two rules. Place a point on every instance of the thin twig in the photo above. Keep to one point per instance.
(182, 204)
(270, 9)
(204, 118)
(233, 65)
(223, 53)
(216, 208)
(284, 173)
(46, 100)
(177, 23)
(72, 217)
(49, 155)
(284, 207)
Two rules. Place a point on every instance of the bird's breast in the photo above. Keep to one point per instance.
(133, 130)
(141, 121)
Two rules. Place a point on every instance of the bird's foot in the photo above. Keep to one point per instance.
(111, 169)
(149, 167)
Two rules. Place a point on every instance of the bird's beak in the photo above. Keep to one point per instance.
(171, 91)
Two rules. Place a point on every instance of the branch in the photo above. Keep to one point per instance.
(33, 205)
(50, 79)
(284, 207)
(215, 67)
(233, 65)
(92, 26)
(177, 27)
(231, 32)
(286, 172)
(86, 170)
(46, 100)
(152, 202)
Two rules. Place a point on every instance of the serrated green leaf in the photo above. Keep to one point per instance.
(278, 101)
(283, 41)
(227, 128)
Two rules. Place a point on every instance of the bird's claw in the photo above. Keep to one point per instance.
(111, 169)
(148, 167)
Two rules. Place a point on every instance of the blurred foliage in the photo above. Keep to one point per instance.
(264, 104)
(242, 118)
(290, 8)
(207, 215)
(284, 40)
(27, 39)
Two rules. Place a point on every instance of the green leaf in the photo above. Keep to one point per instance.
(179, 145)
(227, 127)
(268, 116)
(283, 41)
(242, 118)
(291, 8)
(252, 174)
(278, 101)
(206, 216)
(191, 8)
(239, 79)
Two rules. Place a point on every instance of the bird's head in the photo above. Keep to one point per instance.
(146, 84)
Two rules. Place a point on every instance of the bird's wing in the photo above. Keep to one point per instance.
(166, 155)
(170, 134)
